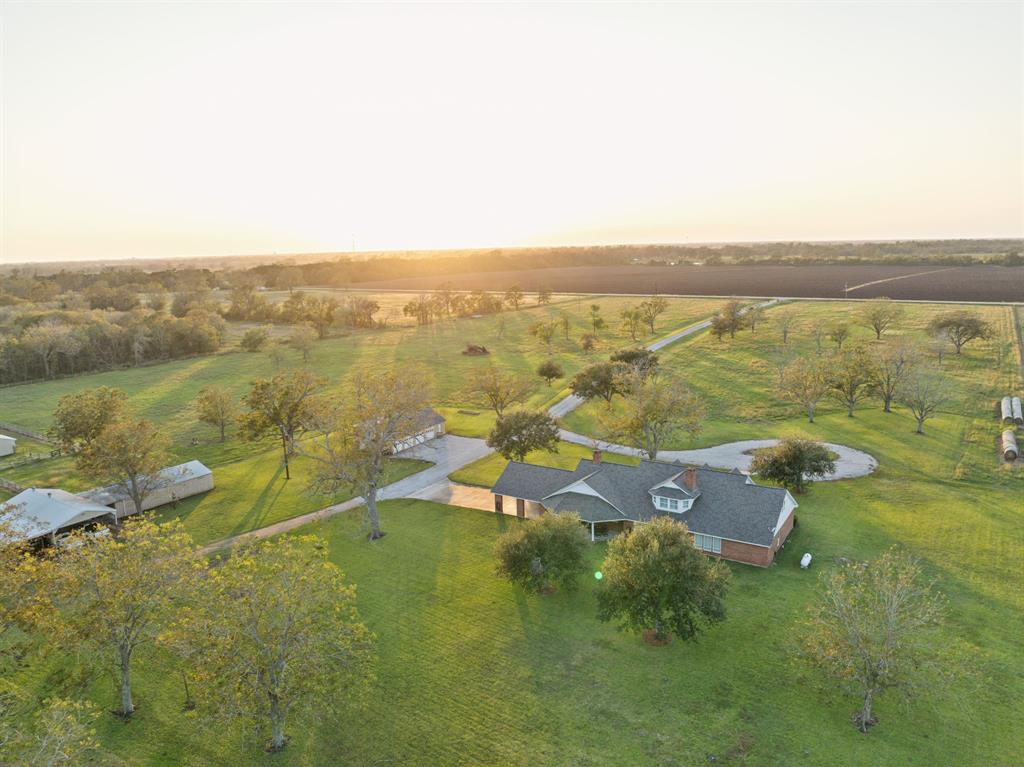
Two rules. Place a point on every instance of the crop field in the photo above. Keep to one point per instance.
(916, 282)
(472, 671)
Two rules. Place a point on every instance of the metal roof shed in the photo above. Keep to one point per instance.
(37, 512)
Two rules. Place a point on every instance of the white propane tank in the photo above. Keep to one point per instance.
(805, 561)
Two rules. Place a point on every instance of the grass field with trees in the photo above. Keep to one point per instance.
(473, 670)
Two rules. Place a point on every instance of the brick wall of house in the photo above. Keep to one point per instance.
(783, 534)
(757, 555)
(744, 552)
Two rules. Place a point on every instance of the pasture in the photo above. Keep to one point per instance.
(165, 393)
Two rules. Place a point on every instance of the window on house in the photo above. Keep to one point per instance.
(666, 504)
(708, 543)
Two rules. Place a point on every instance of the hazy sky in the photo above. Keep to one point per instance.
(204, 128)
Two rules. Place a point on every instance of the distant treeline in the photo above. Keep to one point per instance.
(119, 288)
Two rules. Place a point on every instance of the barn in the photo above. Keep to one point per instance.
(172, 484)
(39, 513)
(429, 425)
(7, 445)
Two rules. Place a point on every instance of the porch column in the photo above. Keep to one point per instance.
(521, 508)
(591, 532)
(498, 500)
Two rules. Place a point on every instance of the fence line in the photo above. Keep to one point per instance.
(15, 429)
(13, 487)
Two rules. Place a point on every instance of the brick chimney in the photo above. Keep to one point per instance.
(690, 478)
(597, 455)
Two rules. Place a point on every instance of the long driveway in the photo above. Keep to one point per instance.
(565, 406)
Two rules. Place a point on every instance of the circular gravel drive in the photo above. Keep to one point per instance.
(736, 455)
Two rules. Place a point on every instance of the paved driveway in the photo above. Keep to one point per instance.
(734, 455)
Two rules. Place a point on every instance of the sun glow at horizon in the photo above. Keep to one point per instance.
(212, 129)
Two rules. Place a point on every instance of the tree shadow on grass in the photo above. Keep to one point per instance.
(262, 506)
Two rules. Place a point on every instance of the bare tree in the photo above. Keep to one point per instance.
(880, 314)
(805, 383)
(849, 378)
(651, 309)
(838, 334)
(353, 437)
(924, 392)
(496, 388)
(891, 364)
(873, 629)
(784, 321)
(752, 316)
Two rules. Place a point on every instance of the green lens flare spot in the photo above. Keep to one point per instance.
(598, 575)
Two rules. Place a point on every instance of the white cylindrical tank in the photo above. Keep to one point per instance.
(1006, 410)
(1010, 450)
(1018, 411)
(805, 561)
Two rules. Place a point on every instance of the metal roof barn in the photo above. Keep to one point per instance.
(39, 512)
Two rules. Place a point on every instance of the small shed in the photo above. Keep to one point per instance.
(1018, 411)
(173, 484)
(39, 513)
(1006, 410)
(7, 445)
(1009, 445)
(429, 425)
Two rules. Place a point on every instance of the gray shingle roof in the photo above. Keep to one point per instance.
(428, 417)
(589, 507)
(728, 504)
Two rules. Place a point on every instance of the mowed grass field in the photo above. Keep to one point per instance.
(250, 488)
(166, 393)
(472, 671)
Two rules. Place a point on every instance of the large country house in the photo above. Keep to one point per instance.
(729, 515)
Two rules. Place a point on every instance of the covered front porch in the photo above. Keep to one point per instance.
(605, 531)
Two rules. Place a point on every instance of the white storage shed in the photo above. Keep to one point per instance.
(173, 484)
(7, 445)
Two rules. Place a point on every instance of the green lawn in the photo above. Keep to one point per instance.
(485, 472)
(472, 671)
